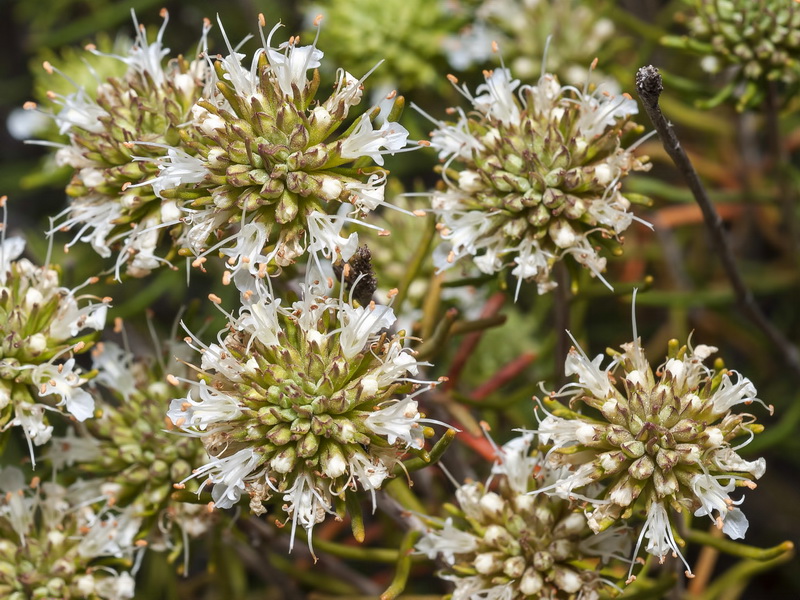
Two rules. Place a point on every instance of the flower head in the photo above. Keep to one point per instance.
(300, 401)
(116, 133)
(662, 439)
(757, 40)
(54, 543)
(128, 448)
(276, 161)
(511, 544)
(566, 34)
(537, 178)
(44, 326)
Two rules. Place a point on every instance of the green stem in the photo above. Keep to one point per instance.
(417, 260)
(433, 455)
(398, 490)
(435, 342)
(657, 590)
(311, 577)
(403, 566)
(736, 549)
(360, 553)
(731, 584)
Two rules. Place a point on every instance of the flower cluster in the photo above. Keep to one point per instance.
(41, 328)
(511, 543)
(271, 166)
(116, 133)
(300, 401)
(659, 441)
(759, 39)
(52, 539)
(127, 447)
(539, 177)
(565, 33)
(405, 34)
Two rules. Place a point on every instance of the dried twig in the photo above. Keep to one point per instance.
(649, 86)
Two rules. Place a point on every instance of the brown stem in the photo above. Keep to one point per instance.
(650, 86)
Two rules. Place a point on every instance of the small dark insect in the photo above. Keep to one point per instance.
(359, 270)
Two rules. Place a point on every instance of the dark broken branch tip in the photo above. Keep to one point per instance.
(648, 82)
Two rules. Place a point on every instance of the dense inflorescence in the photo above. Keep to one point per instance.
(759, 40)
(505, 542)
(41, 331)
(300, 401)
(116, 133)
(567, 34)
(661, 440)
(53, 544)
(538, 177)
(273, 166)
(128, 446)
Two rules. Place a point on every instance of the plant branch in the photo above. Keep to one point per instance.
(649, 86)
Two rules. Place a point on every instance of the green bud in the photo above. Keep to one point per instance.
(642, 468)
(308, 446)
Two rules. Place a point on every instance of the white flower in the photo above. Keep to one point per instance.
(367, 141)
(474, 588)
(323, 233)
(306, 505)
(369, 472)
(31, 418)
(396, 364)
(64, 381)
(246, 254)
(714, 497)
(79, 111)
(497, 97)
(111, 536)
(17, 508)
(612, 213)
(515, 462)
(117, 587)
(398, 420)
(216, 357)
(533, 263)
(10, 250)
(602, 110)
(447, 542)
(660, 540)
(206, 121)
(176, 169)
(113, 365)
(201, 223)
(72, 320)
(730, 394)
(590, 375)
(726, 459)
(466, 232)
(361, 323)
(71, 449)
(366, 197)
(243, 81)
(261, 320)
(228, 475)
(455, 140)
(289, 67)
(213, 407)
(144, 57)
(95, 215)
(348, 92)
